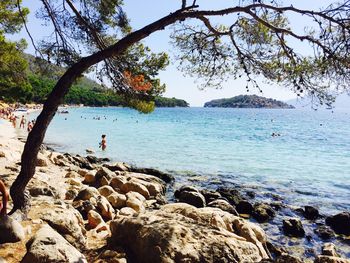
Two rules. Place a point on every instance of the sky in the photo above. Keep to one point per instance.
(143, 12)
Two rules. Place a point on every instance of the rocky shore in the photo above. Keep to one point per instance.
(85, 209)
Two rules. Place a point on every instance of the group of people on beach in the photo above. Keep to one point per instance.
(8, 113)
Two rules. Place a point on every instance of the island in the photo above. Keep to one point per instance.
(248, 101)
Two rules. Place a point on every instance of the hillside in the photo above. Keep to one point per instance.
(248, 101)
(42, 77)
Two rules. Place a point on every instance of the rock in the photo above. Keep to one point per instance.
(72, 174)
(310, 213)
(89, 178)
(119, 166)
(36, 191)
(48, 246)
(263, 212)
(84, 207)
(133, 186)
(340, 223)
(104, 172)
(190, 195)
(209, 195)
(10, 230)
(293, 227)
(95, 160)
(117, 200)
(244, 207)
(105, 208)
(2, 260)
(285, 258)
(328, 259)
(224, 206)
(232, 195)
(161, 175)
(183, 233)
(89, 151)
(74, 181)
(117, 182)
(155, 186)
(106, 190)
(94, 219)
(41, 160)
(328, 249)
(68, 222)
(2, 154)
(324, 232)
(87, 193)
(71, 194)
(135, 201)
(127, 211)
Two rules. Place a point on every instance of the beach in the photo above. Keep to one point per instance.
(85, 200)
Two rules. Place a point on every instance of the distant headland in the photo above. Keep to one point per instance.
(248, 101)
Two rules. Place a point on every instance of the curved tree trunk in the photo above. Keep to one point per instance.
(36, 136)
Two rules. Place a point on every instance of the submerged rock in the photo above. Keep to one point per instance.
(340, 223)
(11, 231)
(263, 212)
(50, 247)
(293, 227)
(232, 195)
(311, 213)
(209, 195)
(244, 207)
(324, 232)
(183, 233)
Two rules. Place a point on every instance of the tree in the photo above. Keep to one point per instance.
(13, 82)
(257, 40)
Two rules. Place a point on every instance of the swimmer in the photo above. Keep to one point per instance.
(23, 121)
(103, 143)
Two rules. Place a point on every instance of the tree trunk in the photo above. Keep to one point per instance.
(36, 136)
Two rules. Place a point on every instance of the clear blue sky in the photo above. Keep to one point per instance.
(142, 12)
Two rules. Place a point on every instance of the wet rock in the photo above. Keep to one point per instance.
(340, 223)
(119, 166)
(71, 194)
(87, 193)
(94, 219)
(10, 230)
(183, 233)
(285, 258)
(48, 246)
(224, 206)
(89, 151)
(168, 178)
(105, 208)
(310, 213)
(106, 190)
(95, 160)
(329, 259)
(263, 212)
(209, 195)
(68, 222)
(191, 197)
(324, 232)
(187, 188)
(328, 249)
(293, 227)
(117, 200)
(244, 207)
(232, 195)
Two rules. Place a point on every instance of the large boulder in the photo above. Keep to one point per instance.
(190, 195)
(10, 230)
(50, 247)
(311, 212)
(340, 223)
(263, 212)
(224, 206)
(168, 178)
(232, 195)
(117, 200)
(105, 209)
(182, 233)
(87, 193)
(68, 222)
(324, 232)
(293, 227)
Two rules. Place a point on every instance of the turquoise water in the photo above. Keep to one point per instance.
(309, 163)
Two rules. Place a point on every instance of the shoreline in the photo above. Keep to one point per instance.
(12, 147)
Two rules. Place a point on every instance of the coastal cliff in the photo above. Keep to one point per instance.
(248, 101)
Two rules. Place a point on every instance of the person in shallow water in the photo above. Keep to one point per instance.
(103, 143)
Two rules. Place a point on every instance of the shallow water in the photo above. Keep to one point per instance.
(309, 163)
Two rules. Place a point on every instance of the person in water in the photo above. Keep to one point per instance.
(103, 143)
(23, 121)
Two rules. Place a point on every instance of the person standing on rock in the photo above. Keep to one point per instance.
(103, 143)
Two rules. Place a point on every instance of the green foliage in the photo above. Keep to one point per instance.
(10, 18)
(170, 102)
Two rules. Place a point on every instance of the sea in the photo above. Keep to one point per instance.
(300, 155)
